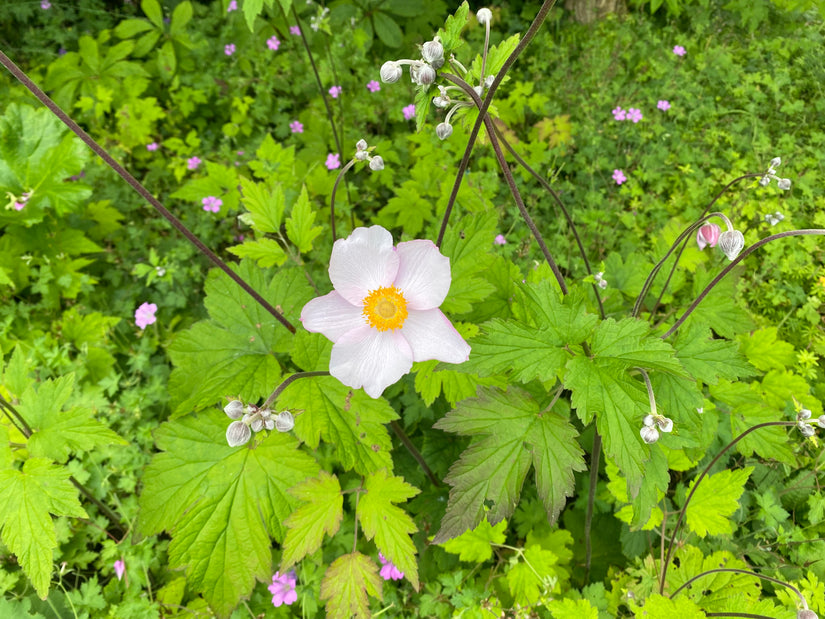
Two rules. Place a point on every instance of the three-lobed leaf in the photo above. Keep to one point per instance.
(347, 583)
(714, 502)
(321, 512)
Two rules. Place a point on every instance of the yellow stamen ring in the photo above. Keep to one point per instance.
(385, 308)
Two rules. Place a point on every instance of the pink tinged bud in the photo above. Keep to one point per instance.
(425, 75)
(234, 409)
(731, 242)
(390, 72)
(238, 433)
(707, 235)
(120, 568)
(649, 434)
(284, 422)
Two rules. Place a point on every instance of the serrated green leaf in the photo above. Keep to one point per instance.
(709, 359)
(251, 10)
(265, 205)
(715, 501)
(660, 607)
(128, 28)
(265, 252)
(713, 591)
(311, 352)
(389, 525)
(431, 379)
(350, 421)
(16, 374)
(451, 33)
(632, 343)
(719, 308)
(68, 432)
(572, 609)
(221, 504)
(509, 433)
(386, 29)
(220, 181)
(27, 498)
(531, 578)
(474, 545)
(300, 226)
(346, 585)
(467, 245)
(765, 351)
(321, 512)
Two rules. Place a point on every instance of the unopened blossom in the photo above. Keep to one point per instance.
(333, 161)
(619, 176)
(233, 6)
(46, 5)
(152, 146)
(192, 163)
(373, 86)
(601, 282)
(211, 203)
(376, 163)
(679, 50)
(296, 127)
(707, 235)
(229, 49)
(390, 72)
(120, 568)
(145, 315)
(663, 423)
(284, 421)
(234, 409)
(237, 434)
(731, 242)
(649, 434)
(409, 111)
(619, 113)
(335, 91)
(273, 43)
(283, 589)
(663, 105)
(634, 114)
(388, 569)
(383, 312)
(500, 240)
(444, 130)
(484, 16)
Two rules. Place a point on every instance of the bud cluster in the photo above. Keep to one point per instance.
(362, 153)
(805, 426)
(774, 218)
(423, 71)
(601, 282)
(250, 419)
(651, 426)
(782, 183)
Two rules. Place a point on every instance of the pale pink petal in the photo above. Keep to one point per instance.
(362, 262)
(331, 315)
(372, 359)
(423, 275)
(432, 336)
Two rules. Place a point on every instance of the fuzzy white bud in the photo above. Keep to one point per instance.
(433, 52)
(361, 145)
(390, 72)
(234, 409)
(649, 434)
(238, 433)
(806, 429)
(731, 242)
(484, 16)
(362, 155)
(776, 161)
(784, 183)
(284, 422)
(444, 130)
(376, 163)
(423, 75)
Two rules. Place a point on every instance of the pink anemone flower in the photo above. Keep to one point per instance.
(383, 312)
(707, 235)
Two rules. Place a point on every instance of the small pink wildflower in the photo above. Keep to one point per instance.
(389, 571)
(193, 162)
(619, 114)
(120, 566)
(335, 91)
(679, 50)
(663, 105)
(296, 127)
(145, 315)
(296, 30)
(19, 206)
(211, 203)
(707, 235)
(373, 86)
(500, 240)
(409, 111)
(229, 49)
(283, 589)
(273, 43)
(233, 6)
(45, 5)
(619, 176)
(634, 115)
(333, 161)
(152, 146)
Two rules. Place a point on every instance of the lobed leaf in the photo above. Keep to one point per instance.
(321, 512)
(715, 501)
(347, 584)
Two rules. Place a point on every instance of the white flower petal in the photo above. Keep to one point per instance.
(423, 275)
(332, 316)
(372, 359)
(432, 336)
(362, 262)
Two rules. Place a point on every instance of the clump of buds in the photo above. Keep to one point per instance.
(362, 153)
(651, 426)
(770, 174)
(249, 418)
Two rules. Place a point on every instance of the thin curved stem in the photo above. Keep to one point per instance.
(696, 483)
(402, 436)
(15, 417)
(139, 188)
(733, 264)
(287, 382)
(340, 176)
(546, 186)
(508, 176)
(746, 573)
(482, 112)
(749, 615)
(595, 457)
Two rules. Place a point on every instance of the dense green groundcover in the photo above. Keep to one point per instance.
(119, 495)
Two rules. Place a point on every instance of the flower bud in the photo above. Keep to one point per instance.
(433, 52)
(444, 130)
(376, 163)
(821, 421)
(488, 81)
(361, 155)
(665, 424)
(602, 284)
(806, 614)
(284, 422)
(484, 16)
(765, 180)
(776, 161)
(803, 414)
(707, 235)
(361, 145)
(423, 75)
(784, 183)
(806, 429)
(390, 72)
(731, 242)
(649, 435)
(441, 102)
(234, 409)
(238, 433)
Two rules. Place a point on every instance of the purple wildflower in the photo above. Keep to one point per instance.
(295, 30)
(273, 43)
(619, 176)
(634, 115)
(120, 566)
(663, 105)
(283, 589)
(679, 50)
(619, 114)
(229, 49)
(211, 203)
(333, 161)
(152, 146)
(145, 316)
(45, 5)
(500, 240)
(335, 91)
(296, 127)
(389, 571)
(233, 6)
(193, 162)
(373, 86)
(409, 111)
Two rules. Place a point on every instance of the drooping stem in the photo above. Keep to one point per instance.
(139, 188)
(340, 176)
(482, 112)
(15, 417)
(731, 266)
(746, 573)
(402, 436)
(287, 382)
(595, 456)
(696, 483)
(511, 182)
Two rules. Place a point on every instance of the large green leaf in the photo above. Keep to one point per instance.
(714, 502)
(321, 512)
(347, 584)
(222, 505)
(510, 432)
